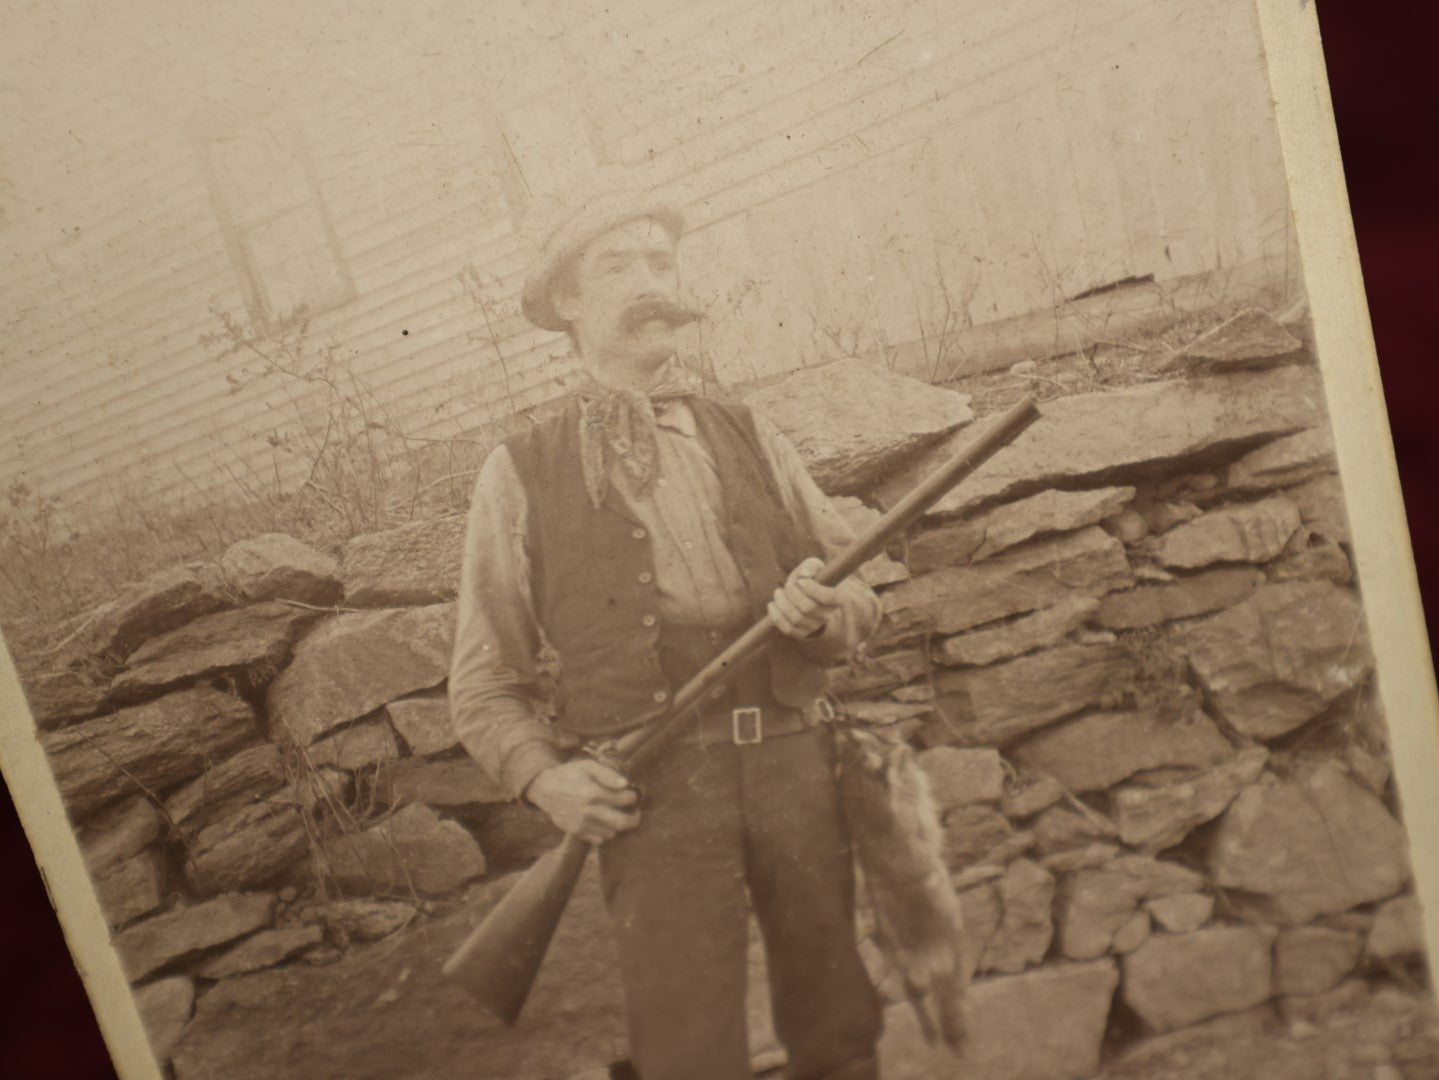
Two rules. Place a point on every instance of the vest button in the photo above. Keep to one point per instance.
(661, 696)
(639, 534)
(646, 577)
(649, 620)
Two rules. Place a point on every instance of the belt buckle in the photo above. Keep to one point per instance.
(747, 725)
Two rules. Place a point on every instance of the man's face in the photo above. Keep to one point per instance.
(622, 279)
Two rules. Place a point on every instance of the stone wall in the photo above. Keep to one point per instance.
(1129, 650)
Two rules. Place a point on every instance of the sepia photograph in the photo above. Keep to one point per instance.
(826, 541)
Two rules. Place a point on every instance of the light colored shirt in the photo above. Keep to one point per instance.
(494, 686)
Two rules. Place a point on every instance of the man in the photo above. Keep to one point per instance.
(639, 532)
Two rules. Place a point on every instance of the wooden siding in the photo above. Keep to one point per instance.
(858, 177)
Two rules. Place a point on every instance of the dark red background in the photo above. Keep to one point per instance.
(1386, 103)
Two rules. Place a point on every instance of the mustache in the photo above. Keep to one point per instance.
(670, 311)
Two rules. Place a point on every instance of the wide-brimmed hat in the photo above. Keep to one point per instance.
(561, 225)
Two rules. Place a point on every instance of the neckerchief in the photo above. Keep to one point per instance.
(619, 426)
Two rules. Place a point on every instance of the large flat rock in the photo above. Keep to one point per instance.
(1173, 980)
(149, 946)
(866, 675)
(132, 888)
(165, 1006)
(1152, 818)
(423, 721)
(1046, 1024)
(1114, 434)
(1247, 340)
(1281, 657)
(1321, 507)
(262, 950)
(156, 746)
(960, 777)
(249, 643)
(1290, 460)
(1099, 750)
(148, 608)
(1011, 524)
(411, 852)
(1184, 598)
(1322, 560)
(62, 696)
(1315, 844)
(436, 783)
(418, 563)
(237, 781)
(386, 1012)
(1247, 532)
(275, 566)
(353, 663)
(997, 705)
(853, 421)
(1015, 637)
(246, 848)
(1042, 574)
(1314, 959)
(1398, 930)
(121, 831)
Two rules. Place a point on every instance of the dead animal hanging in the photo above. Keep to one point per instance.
(895, 832)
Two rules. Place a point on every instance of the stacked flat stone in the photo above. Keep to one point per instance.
(1129, 650)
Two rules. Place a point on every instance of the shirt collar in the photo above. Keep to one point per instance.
(675, 414)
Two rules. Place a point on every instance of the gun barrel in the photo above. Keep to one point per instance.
(499, 962)
(637, 745)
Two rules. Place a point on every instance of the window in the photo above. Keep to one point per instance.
(277, 229)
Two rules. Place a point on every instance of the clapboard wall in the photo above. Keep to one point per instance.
(857, 177)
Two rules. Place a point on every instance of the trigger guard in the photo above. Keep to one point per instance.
(603, 752)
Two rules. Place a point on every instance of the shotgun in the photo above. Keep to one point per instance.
(500, 959)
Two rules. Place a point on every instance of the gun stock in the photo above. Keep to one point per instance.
(499, 961)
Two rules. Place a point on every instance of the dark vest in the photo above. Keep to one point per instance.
(592, 569)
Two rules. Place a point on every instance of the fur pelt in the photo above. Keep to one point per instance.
(895, 832)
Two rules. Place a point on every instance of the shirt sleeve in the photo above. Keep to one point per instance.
(494, 689)
(859, 612)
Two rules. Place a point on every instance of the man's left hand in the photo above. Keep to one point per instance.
(802, 607)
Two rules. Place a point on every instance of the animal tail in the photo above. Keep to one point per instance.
(948, 1000)
(919, 1001)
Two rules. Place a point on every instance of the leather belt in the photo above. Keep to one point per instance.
(750, 725)
(744, 713)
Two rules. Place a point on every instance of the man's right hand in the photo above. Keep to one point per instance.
(585, 799)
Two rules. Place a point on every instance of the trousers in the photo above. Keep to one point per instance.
(726, 827)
